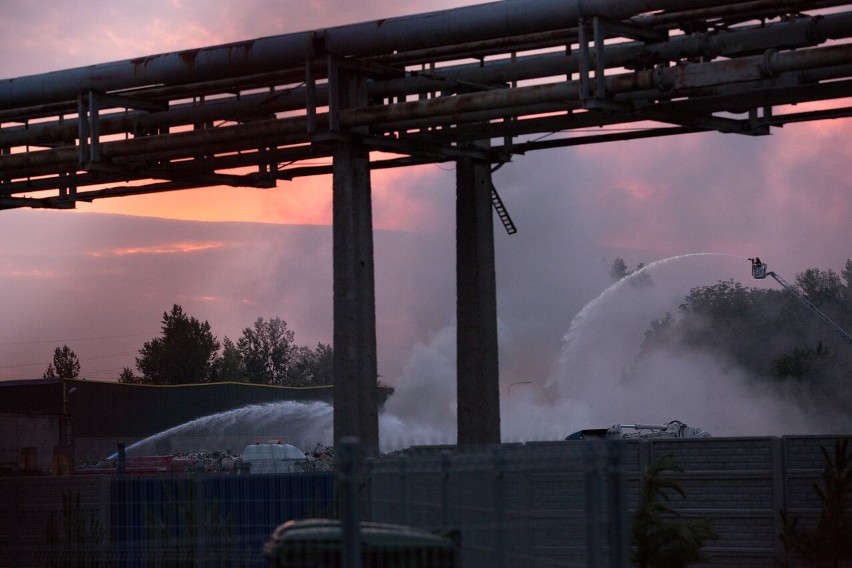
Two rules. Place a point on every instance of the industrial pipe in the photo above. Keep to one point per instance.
(275, 53)
(664, 80)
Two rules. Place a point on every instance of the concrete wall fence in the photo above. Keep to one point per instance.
(568, 503)
(526, 505)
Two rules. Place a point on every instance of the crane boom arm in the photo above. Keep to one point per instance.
(808, 304)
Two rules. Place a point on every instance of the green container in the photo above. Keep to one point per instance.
(317, 542)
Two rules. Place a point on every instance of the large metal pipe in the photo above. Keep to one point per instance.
(664, 81)
(469, 23)
(797, 33)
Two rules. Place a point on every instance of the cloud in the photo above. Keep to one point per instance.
(31, 273)
(36, 37)
(167, 248)
(65, 284)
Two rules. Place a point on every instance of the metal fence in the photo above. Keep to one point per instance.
(524, 505)
(514, 505)
(199, 520)
(570, 503)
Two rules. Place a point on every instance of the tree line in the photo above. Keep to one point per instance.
(769, 333)
(764, 331)
(187, 352)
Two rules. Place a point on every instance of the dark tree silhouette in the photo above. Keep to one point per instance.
(65, 364)
(185, 353)
(768, 333)
(267, 351)
(229, 366)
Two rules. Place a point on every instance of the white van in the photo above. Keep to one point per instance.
(272, 458)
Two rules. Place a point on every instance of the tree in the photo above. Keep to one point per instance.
(323, 364)
(184, 354)
(846, 273)
(660, 328)
(128, 377)
(65, 364)
(828, 544)
(267, 351)
(229, 366)
(313, 367)
(718, 318)
(619, 271)
(820, 286)
(799, 362)
(768, 333)
(725, 299)
(660, 538)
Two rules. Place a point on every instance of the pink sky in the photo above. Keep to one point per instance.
(785, 197)
(794, 176)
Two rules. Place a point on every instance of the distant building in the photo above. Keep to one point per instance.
(102, 414)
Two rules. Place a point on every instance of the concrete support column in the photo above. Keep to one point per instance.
(355, 367)
(476, 295)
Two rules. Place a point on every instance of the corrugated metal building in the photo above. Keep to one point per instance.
(100, 414)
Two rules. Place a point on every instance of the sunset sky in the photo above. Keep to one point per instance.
(99, 278)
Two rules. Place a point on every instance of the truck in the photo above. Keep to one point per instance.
(272, 457)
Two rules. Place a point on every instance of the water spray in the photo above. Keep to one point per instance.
(591, 305)
(584, 313)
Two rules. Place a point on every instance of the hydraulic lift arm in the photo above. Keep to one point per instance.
(758, 270)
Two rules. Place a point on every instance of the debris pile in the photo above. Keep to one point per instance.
(320, 459)
(673, 429)
(203, 461)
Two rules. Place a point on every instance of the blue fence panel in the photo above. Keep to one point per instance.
(211, 520)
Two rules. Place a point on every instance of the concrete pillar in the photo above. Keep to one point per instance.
(355, 367)
(476, 296)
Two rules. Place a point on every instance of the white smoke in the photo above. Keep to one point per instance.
(598, 381)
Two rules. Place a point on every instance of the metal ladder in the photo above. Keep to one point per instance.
(501, 211)
(758, 271)
(808, 304)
